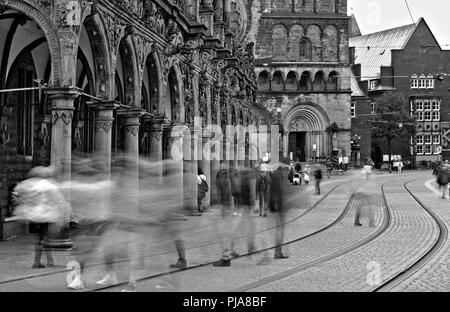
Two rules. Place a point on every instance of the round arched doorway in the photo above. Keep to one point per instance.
(305, 135)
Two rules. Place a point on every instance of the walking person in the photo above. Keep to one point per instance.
(400, 166)
(279, 209)
(225, 225)
(202, 189)
(318, 179)
(307, 175)
(41, 202)
(245, 193)
(443, 178)
(263, 191)
(346, 161)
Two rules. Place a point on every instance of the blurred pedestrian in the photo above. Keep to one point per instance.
(245, 193)
(40, 201)
(443, 178)
(317, 178)
(263, 181)
(89, 192)
(307, 175)
(202, 189)
(279, 210)
(225, 225)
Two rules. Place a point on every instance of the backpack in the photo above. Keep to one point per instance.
(203, 188)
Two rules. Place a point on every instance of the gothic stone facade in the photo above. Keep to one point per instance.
(116, 76)
(302, 64)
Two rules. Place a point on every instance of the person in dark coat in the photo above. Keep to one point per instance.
(263, 181)
(279, 210)
(318, 179)
(443, 177)
(225, 228)
(244, 188)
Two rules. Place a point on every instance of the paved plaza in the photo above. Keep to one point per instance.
(406, 249)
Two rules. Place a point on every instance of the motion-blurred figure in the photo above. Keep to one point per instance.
(177, 202)
(41, 201)
(279, 209)
(263, 191)
(225, 225)
(443, 177)
(245, 193)
(367, 168)
(362, 197)
(318, 178)
(89, 191)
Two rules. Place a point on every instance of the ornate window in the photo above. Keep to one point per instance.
(305, 48)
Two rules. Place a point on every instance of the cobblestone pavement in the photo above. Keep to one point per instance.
(16, 256)
(411, 232)
(348, 272)
(244, 271)
(435, 275)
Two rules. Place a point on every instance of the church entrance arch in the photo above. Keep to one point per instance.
(305, 133)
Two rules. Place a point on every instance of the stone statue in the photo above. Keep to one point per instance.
(335, 142)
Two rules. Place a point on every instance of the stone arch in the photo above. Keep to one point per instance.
(277, 81)
(311, 121)
(296, 33)
(305, 49)
(264, 81)
(44, 22)
(129, 67)
(333, 81)
(174, 104)
(305, 81)
(102, 59)
(291, 83)
(330, 43)
(319, 81)
(314, 33)
(153, 73)
(279, 42)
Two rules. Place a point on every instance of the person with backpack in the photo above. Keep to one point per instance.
(202, 189)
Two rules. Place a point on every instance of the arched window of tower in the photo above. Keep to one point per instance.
(264, 81)
(277, 81)
(305, 82)
(305, 50)
(319, 81)
(333, 81)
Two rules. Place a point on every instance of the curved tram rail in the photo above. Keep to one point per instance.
(397, 279)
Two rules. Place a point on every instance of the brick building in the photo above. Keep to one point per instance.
(409, 60)
(110, 78)
(302, 64)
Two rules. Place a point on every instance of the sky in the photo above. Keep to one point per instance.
(376, 15)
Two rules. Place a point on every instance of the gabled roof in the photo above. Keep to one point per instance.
(373, 51)
(354, 30)
(356, 90)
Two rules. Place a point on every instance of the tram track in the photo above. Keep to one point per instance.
(414, 267)
(308, 210)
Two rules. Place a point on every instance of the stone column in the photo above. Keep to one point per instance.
(156, 145)
(173, 166)
(131, 118)
(61, 154)
(103, 132)
(206, 166)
